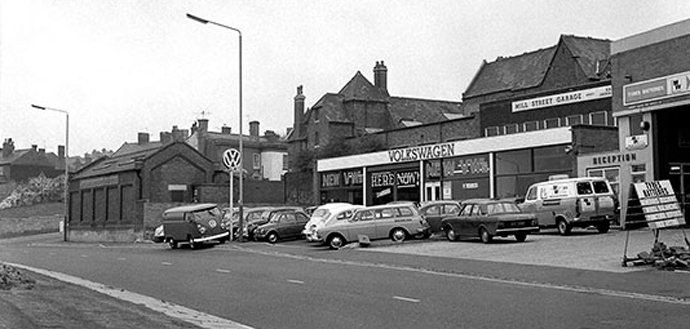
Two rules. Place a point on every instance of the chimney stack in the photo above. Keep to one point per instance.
(203, 125)
(143, 138)
(7, 147)
(254, 128)
(166, 137)
(226, 130)
(381, 76)
(34, 147)
(61, 152)
(299, 111)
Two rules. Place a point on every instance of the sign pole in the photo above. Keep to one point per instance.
(232, 210)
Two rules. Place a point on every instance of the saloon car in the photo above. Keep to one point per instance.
(282, 225)
(328, 214)
(486, 219)
(435, 211)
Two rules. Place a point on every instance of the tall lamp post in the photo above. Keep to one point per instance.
(65, 224)
(240, 201)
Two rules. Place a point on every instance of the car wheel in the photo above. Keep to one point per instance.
(603, 227)
(272, 237)
(485, 236)
(563, 227)
(398, 235)
(451, 235)
(521, 237)
(192, 244)
(172, 243)
(336, 242)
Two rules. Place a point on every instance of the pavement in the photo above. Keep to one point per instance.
(41, 300)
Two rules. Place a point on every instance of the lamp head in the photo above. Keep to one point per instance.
(198, 19)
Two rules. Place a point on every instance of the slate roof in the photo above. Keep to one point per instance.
(529, 69)
(118, 162)
(16, 154)
(127, 148)
(402, 110)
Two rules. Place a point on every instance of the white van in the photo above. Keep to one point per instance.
(573, 202)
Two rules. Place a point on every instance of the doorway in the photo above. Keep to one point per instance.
(432, 191)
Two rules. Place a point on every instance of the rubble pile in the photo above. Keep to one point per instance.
(665, 258)
(10, 278)
(37, 190)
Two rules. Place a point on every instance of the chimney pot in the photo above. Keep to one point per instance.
(226, 130)
(254, 128)
(143, 138)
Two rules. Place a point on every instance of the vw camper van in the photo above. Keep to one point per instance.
(194, 224)
(573, 202)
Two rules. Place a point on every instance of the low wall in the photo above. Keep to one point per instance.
(110, 234)
(10, 227)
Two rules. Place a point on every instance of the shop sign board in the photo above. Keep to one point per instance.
(330, 179)
(425, 152)
(99, 182)
(562, 99)
(659, 204)
(655, 89)
(390, 178)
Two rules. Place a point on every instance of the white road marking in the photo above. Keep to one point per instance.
(222, 270)
(166, 263)
(296, 281)
(102, 245)
(84, 256)
(579, 289)
(405, 299)
(121, 258)
(189, 315)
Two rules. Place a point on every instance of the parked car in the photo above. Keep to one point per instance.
(194, 224)
(574, 202)
(259, 217)
(486, 218)
(435, 211)
(394, 221)
(282, 225)
(328, 214)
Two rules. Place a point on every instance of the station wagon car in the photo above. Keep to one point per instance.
(485, 218)
(394, 221)
(193, 225)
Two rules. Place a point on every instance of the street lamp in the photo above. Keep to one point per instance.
(66, 219)
(240, 201)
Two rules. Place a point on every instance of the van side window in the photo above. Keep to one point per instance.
(600, 187)
(532, 193)
(365, 216)
(404, 212)
(384, 213)
(584, 188)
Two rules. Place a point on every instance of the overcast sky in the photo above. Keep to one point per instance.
(123, 66)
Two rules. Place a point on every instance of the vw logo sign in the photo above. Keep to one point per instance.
(212, 223)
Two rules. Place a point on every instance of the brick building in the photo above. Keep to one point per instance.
(20, 165)
(264, 156)
(108, 198)
(531, 115)
(651, 98)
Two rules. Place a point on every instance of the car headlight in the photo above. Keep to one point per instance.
(201, 229)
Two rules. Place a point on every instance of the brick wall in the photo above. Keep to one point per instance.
(644, 63)
(255, 192)
(299, 189)
(594, 139)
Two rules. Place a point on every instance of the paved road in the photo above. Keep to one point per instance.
(297, 285)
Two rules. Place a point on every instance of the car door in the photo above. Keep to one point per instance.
(586, 199)
(463, 223)
(301, 220)
(384, 219)
(433, 215)
(361, 224)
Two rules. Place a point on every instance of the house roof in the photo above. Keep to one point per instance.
(359, 88)
(14, 156)
(118, 162)
(529, 69)
(405, 112)
(127, 148)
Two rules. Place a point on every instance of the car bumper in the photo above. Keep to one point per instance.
(516, 230)
(220, 236)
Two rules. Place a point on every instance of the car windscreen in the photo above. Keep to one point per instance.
(206, 215)
(320, 214)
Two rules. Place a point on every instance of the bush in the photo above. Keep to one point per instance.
(37, 190)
